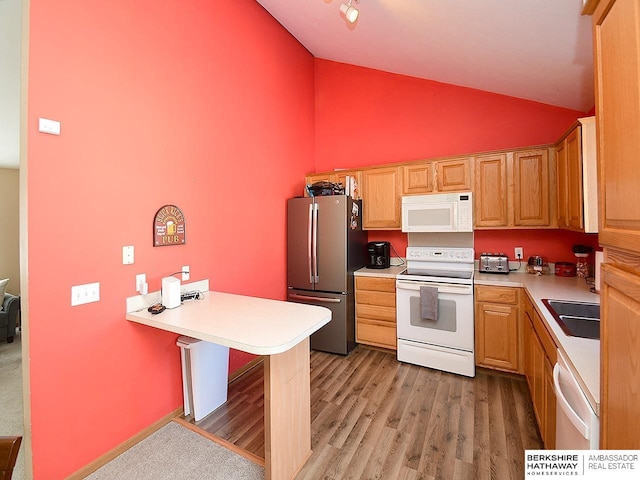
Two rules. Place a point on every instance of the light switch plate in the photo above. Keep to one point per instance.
(46, 125)
(87, 293)
(127, 255)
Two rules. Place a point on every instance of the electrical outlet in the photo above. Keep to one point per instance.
(518, 253)
(185, 273)
(141, 283)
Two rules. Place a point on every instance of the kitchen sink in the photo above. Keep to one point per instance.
(577, 319)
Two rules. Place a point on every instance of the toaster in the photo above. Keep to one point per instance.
(493, 263)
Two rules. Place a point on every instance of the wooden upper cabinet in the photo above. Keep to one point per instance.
(569, 180)
(319, 177)
(436, 176)
(531, 188)
(337, 177)
(381, 198)
(511, 188)
(417, 178)
(341, 177)
(490, 192)
(453, 175)
(574, 179)
(562, 184)
(617, 65)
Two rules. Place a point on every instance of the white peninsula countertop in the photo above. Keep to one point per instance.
(255, 325)
(583, 353)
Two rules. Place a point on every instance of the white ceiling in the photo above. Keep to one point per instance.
(538, 50)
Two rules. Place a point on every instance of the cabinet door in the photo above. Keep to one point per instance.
(549, 407)
(417, 178)
(320, 177)
(562, 187)
(537, 370)
(617, 64)
(620, 347)
(497, 336)
(381, 198)
(527, 338)
(490, 198)
(317, 177)
(531, 188)
(453, 175)
(341, 177)
(574, 180)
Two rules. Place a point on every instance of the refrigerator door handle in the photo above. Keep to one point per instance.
(315, 299)
(316, 277)
(309, 243)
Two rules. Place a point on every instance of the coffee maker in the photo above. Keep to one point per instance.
(378, 255)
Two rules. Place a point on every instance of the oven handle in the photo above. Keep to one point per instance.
(442, 287)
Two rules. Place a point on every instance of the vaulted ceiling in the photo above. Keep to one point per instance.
(538, 50)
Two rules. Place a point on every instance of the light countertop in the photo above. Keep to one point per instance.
(250, 324)
(390, 272)
(583, 353)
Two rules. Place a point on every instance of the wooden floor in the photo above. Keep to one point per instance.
(376, 418)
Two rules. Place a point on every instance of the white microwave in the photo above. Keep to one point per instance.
(441, 212)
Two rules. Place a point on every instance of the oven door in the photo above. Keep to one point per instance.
(454, 326)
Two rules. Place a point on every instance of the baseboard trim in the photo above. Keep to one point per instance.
(244, 369)
(124, 446)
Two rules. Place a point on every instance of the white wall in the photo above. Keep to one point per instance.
(10, 37)
(9, 228)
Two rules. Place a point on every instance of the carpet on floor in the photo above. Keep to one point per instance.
(178, 453)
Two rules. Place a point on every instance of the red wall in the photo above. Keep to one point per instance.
(205, 105)
(553, 245)
(368, 117)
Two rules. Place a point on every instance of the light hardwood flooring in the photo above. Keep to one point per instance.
(376, 418)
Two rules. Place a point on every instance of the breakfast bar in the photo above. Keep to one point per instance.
(276, 329)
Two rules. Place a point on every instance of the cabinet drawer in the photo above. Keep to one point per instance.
(497, 294)
(380, 334)
(378, 284)
(368, 297)
(376, 312)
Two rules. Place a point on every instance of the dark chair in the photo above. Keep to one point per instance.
(9, 316)
(9, 447)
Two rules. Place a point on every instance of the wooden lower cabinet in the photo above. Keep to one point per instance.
(539, 358)
(549, 406)
(497, 334)
(376, 312)
(620, 369)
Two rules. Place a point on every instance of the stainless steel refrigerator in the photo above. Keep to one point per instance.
(325, 245)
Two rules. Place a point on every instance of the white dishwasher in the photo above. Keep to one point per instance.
(577, 425)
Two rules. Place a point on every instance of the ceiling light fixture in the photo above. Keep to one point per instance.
(349, 12)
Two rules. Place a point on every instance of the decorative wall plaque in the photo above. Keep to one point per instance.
(168, 227)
